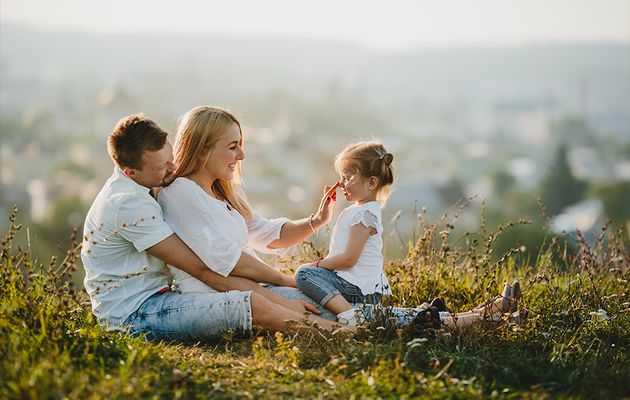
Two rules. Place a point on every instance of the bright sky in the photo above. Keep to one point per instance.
(383, 24)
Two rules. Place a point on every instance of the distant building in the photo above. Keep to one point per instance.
(583, 216)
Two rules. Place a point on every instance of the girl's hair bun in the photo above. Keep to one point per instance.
(388, 158)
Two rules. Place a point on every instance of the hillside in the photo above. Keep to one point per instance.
(575, 344)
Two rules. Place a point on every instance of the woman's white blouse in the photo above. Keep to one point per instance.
(367, 273)
(215, 231)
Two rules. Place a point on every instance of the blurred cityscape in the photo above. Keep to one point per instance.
(506, 124)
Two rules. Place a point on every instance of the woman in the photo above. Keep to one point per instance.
(207, 209)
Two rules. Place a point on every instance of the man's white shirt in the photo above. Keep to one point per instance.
(120, 275)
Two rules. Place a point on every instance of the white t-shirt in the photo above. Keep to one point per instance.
(367, 273)
(216, 232)
(120, 275)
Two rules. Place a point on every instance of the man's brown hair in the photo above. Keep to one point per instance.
(132, 136)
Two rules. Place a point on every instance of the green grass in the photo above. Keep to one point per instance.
(51, 346)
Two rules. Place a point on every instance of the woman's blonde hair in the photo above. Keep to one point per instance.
(369, 159)
(198, 132)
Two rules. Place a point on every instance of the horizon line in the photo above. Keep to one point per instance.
(4, 22)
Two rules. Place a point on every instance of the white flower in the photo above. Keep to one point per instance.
(600, 314)
(417, 342)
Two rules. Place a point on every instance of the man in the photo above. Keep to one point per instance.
(127, 243)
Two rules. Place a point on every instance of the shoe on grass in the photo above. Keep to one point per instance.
(439, 303)
(352, 321)
(426, 319)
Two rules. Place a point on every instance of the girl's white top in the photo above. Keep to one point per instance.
(215, 231)
(367, 273)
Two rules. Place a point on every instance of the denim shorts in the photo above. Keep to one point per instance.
(323, 284)
(191, 316)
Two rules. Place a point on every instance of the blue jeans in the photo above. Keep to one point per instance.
(323, 284)
(202, 316)
(191, 316)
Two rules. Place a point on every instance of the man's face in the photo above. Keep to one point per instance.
(157, 168)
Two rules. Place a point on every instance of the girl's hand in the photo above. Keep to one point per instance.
(324, 213)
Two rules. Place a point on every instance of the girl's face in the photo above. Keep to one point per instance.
(225, 155)
(356, 187)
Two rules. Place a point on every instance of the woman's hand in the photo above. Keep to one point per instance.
(294, 232)
(313, 264)
(301, 306)
(307, 265)
(324, 213)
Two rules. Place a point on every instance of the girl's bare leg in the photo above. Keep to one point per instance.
(338, 304)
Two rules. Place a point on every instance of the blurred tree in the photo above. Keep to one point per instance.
(560, 188)
(502, 181)
(574, 130)
(616, 199)
(527, 238)
(451, 192)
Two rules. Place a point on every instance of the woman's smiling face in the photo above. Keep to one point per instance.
(225, 155)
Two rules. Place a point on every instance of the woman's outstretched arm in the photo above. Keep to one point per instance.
(294, 232)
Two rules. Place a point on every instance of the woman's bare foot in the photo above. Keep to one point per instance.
(499, 304)
(492, 307)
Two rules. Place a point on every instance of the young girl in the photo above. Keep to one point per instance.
(353, 270)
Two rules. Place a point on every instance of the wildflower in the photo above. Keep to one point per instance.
(599, 314)
(417, 342)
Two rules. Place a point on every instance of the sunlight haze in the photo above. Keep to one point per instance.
(391, 26)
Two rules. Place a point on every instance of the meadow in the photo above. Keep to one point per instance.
(575, 344)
